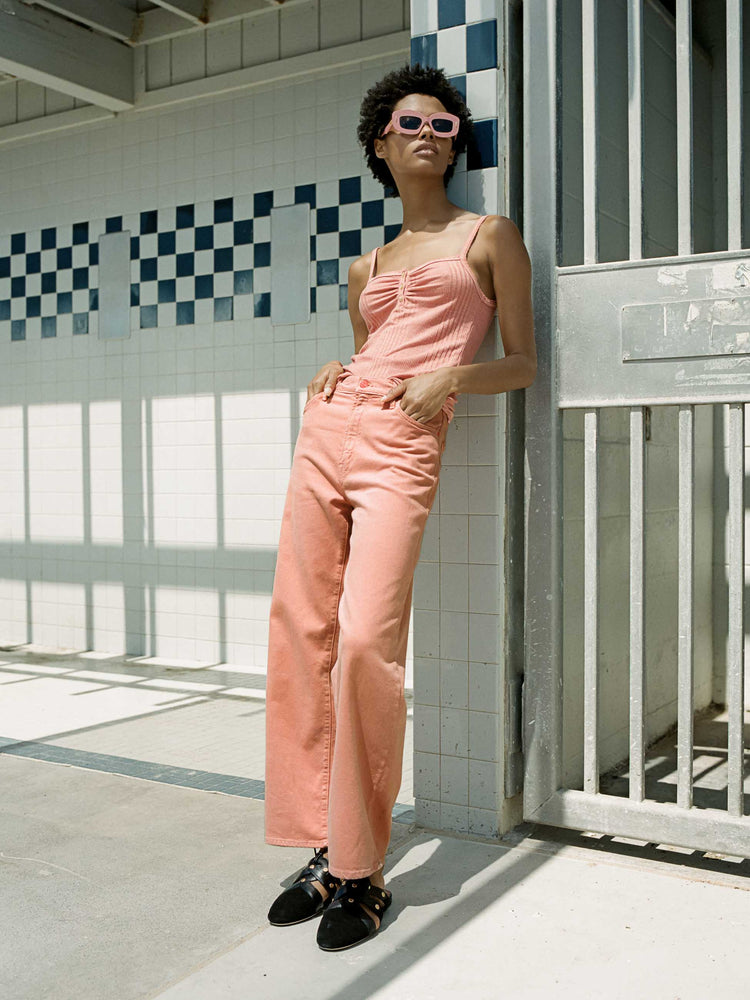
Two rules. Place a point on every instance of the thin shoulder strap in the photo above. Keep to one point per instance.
(472, 234)
(373, 261)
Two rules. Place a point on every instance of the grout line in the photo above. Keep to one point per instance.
(207, 781)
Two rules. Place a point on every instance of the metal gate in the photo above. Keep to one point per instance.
(644, 335)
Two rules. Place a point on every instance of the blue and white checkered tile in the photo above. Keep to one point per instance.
(204, 263)
(49, 281)
(460, 36)
(348, 217)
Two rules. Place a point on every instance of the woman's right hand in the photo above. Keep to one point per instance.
(325, 380)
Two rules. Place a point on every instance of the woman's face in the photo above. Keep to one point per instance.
(423, 155)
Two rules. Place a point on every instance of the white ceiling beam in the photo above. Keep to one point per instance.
(102, 15)
(193, 10)
(157, 25)
(294, 67)
(63, 120)
(38, 46)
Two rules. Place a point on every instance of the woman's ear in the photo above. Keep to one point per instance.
(379, 145)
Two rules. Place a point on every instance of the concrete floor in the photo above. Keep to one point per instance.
(135, 885)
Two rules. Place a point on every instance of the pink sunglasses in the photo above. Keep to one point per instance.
(410, 122)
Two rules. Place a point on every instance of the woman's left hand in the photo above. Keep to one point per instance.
(422, 396)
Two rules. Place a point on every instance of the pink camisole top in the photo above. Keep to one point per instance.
(422, 318)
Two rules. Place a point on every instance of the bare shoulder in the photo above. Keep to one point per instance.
(503, 242)
(359, 269)
(500, 229)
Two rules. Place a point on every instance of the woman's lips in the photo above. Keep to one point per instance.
(426, 148)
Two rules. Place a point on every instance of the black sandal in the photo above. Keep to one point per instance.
(346, 922)
(301, 901)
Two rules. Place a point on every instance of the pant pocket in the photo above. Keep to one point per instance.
(312, 399)
(432, 426)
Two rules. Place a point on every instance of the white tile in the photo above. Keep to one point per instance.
(484, 588)
(483, 487)
(427, 813)
(483, 789)
(481, 188)
(481, 93)
(484, 541)
(454, 683)
(427, 586)
(166, 266)
(454, 587)
(481, 10)
(454, 780)
(454, 636)
(426, 729)
(484, 637)
(262, 229)
(483, 686)
(424, 16)
(223, 284)
(427, 775)
(451, 50)
(426, 681)
(453, 817)
(454, 538)
(350, 216)
(454, 731)
(484, 734)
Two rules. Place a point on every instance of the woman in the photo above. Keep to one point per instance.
(363, 479)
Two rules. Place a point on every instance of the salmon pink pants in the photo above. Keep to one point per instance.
(363, 480)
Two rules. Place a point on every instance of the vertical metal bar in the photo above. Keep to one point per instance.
(590, 601)
(685, 608)
(635, 127)
(542, 689)
(590, 132)
(735, 581)
(684, 63)
(734, 124)
(637, 660)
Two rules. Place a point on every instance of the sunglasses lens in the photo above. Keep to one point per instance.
(410, 123)
(442, 125)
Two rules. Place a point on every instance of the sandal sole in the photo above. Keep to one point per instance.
(354, 944)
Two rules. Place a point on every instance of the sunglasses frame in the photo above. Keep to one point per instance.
(393, 124)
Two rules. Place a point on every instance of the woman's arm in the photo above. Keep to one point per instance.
(510, 268)
(359, 271)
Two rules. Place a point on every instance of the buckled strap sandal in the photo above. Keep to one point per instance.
(301, 900)
(346, 922)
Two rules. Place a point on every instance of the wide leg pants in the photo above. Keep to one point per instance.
(363, 480)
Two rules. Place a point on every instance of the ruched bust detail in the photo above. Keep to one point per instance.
(422, 318)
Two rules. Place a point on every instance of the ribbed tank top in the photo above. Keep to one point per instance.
(422, 318)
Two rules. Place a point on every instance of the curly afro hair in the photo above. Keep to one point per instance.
(380, 100)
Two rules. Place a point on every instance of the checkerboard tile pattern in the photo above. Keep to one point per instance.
(49, 281)
(208, 262)
(460, 36)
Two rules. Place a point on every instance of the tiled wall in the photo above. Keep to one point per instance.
(458, 624)
(205, 262)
